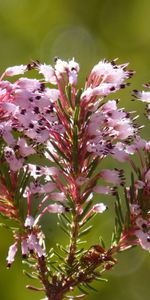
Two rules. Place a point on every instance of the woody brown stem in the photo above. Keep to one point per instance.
(54, 290)
(43, 275)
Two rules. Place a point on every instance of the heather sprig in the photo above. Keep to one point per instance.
(54, 137)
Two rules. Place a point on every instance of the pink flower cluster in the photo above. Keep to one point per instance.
(144, 96)
(69, 130)
(31, 242)
(140, 200)
(106, 77)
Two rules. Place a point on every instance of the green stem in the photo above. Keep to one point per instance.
(73, 241)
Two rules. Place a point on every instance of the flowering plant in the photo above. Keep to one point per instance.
(52, 143)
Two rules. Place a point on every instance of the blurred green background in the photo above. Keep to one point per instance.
(88, 31)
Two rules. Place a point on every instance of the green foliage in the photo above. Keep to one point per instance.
(75, 149)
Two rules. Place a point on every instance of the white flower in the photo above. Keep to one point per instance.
(28, 84)
(24, 148)
(61, 66)
(100, 189)
(120, 155)
(11, 254)
(144, 239)
(5, 132)
(73, 78)
(33, 245)
(58, 196)
(9, 107)
(24, 248)
(36, 187)
(112, 176)
(48, 72)
(52, 94)
(139, 184)
(144, 96)
(99, 208)
(110, 73)
(29, 222)
(140, 222)
(14, 163)
(135, 209)
(56, 208)
(73, 65)
(109, 106)
(16, 70)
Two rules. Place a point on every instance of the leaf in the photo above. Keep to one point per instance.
(75, 297)
(65, 217)
(76, 114)
(86, 209)
(91, 287)
(113, 238)
(127, 201)
(148, 157)
(23, 185)
(30, 275)
(117, 231)
(60, 247)
(78, 96)
(54, 267)
(82, 290)
(80, 251)
(62, 109)
(56, 161)
(59, 151)
(9, 227)
(101, 279)
(92, 167)
(127, 220)
(61, 220)
(29, 264)
(68, 91)
(118, 215)
(119, 207)
(64, 230)
(132, 188)
(4, 170)
(79, 242)
(90, 218)
(33, 288)
(102, 242)
(75, 149)
(59, 256)
(85, 231)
